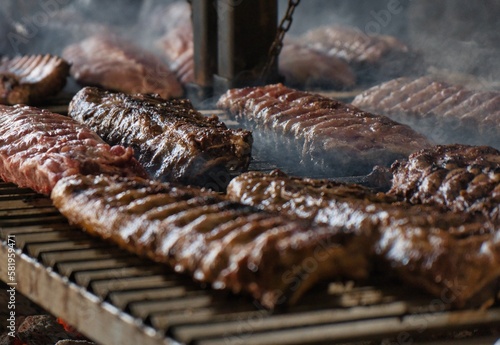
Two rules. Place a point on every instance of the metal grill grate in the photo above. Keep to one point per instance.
(116, 298)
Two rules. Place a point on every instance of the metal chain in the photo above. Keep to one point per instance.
(275, 49)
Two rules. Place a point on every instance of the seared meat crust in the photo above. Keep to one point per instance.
(172, 140)
(37, 148)
(315, 133)
(199, 232)
(447, 114)
(31, 79)
(456, 255)
(456, 177)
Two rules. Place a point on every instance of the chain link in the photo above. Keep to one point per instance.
(275, 49)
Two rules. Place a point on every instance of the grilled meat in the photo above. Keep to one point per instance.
(371, 56)
(215, 240)
(177, 46)
(456, 177)
(109, 62)
(444, 112)
(31, 79)
(172, 140)
(37, 148)
(319, 133)
(446, 253)
(305, 67)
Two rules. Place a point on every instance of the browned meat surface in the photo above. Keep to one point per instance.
(177, 46)
(446, 113)
(456, 177)
(305, 67)
(315, 133)
(367, 54)
(172, 140)
(109, 62)
(31, 79)
(37, 148)
(443, 252)
(227, 244)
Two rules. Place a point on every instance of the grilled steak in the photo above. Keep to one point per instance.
(446, 113)
(319, 133)
(30, 79)
(305, 67)
(215, 240)
(371, 56)
(456, 177)
(109, 62)
(172, 140)
(38, 147)
(448, 254)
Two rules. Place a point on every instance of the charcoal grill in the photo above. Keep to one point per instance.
(114, 297)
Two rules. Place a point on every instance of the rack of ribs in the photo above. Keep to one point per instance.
(456, 255)
(112, 63)
(201, 233)
(456, 177)
(316, 133)
(172, 140)
(31, 79)
(445, 113)
(370, 56)
(37, 148)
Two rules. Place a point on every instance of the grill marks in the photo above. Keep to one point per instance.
(457, 177)
(440, 251)
(30, 79)
(326, 135)
(446, 113)
(37, 148)
(109, 62)
(218, 241)
(172, 140)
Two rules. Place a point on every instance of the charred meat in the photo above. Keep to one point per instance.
(318, 133)
(439, 251)
(31, 79)
(172, 140)
(456, 177)
(445, 113)
(110, 62)
(37, 148)
(199, 232)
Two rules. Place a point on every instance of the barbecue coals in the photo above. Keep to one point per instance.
(31, 79)
(110, 62)
(311, 134)
(38, 147)
(373, 57)
(173, 141)
(456, 255)
(445, 113)
(199, 232)
(456, 177)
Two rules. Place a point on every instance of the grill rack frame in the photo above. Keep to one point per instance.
(113, 297)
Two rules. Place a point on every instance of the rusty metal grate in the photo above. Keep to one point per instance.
(114, 297)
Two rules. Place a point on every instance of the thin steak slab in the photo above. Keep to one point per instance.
(201, 233)
(172, 140)
(314, 133)
(37, 148)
